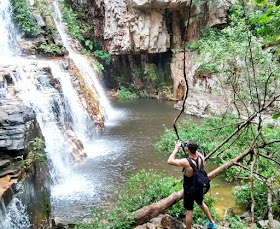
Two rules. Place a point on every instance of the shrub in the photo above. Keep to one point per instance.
(102, 55)
(71, 19)
(243, 197)
(125, 94)
(51, 49)
(24, 17)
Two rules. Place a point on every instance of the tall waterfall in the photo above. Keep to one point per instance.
(58, 112)
(83, 64)
(8, 45)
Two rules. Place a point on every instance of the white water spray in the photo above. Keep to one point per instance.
(82, 123)
(83, 65)
(14, 216)
(8, 44)
(38, 93)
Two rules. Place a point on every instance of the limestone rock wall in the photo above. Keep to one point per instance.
(149, 27)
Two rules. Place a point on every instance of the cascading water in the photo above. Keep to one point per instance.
(38, 93)
(83, 65)
(81, 122)
(8, 44)
(14, 216)
(57, 111)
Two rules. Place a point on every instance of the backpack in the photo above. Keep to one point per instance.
(201, 181)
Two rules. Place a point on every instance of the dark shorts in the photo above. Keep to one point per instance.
(190, 197)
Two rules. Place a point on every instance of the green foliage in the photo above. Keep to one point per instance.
(144, 188)
(236, 222)
(208, 140)
(226, 54)
(266, 20)
(45, 10)
(103, 56)
(98, 66)
(151, 72)
(35, 150)
(125, 94)
(70, 18)
(50, 49)
(243, 197)
(24, 17)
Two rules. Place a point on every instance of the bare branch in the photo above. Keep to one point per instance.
(255, 172)
(268, 143)
(269, 158)
(221, 127)
(241, 126)
(241, 132)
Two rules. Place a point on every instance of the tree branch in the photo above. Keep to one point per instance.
(268, 157)
(252, 188)
(269, 203)
(221, 127)
(245, 168)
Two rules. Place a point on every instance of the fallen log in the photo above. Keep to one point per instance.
(146, 213)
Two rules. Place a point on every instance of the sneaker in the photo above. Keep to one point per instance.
(211, 225)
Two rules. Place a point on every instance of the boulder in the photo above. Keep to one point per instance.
(265, 224)
(162, 222)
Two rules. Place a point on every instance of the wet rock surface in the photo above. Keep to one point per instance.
(18, 124)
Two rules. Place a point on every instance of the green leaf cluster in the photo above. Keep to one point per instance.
(266, 20)
(70, 18)
(103, 56)
(35, 152)
(125, 94)
(51, 49)
(24, 17)
(236, 222)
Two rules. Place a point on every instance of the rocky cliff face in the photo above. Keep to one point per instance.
(135, 30)
(18, 123)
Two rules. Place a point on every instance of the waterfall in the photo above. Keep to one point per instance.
(58, 112)
(14, 216)
(82, 124)
(38, 93)
(83, 65)
(8, 44)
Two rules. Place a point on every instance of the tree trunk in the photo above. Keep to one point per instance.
(146, 213)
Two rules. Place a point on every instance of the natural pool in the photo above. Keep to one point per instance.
(125, 146)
